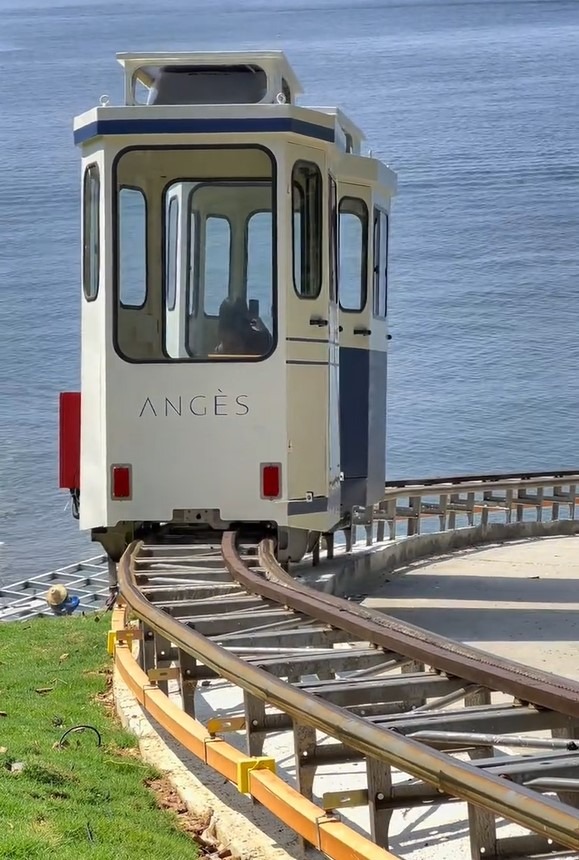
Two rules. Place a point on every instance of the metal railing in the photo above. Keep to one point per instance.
(507, 503)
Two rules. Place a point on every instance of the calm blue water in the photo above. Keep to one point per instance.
(475, 104)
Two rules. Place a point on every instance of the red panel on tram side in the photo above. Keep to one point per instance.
(69, 454)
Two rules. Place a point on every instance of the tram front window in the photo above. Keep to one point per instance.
(210, 256)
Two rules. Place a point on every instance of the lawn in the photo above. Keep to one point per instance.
(79, 800)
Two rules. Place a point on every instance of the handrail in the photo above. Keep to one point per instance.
(503, 501)
(518, 804)
(558, 477)
(473, 485)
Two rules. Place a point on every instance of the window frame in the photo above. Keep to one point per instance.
(90, 252)
(192, 289)
(379, 266)
(171, 253)
(320, 215)
(272, 180)
(116, 212)
(386, 219)
(333, 240)
(192, 285)
(365, 226)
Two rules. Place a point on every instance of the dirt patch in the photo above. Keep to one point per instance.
(106, 699)
(200, 829)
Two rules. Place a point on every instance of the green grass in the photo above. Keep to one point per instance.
(79, 801)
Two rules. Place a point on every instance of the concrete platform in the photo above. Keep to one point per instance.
(519, 600)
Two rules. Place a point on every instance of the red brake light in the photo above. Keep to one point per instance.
(121, 482)
(270, 480)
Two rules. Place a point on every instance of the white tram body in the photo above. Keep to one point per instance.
(234, 318)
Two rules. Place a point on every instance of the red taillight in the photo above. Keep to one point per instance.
(270, 480)
(121, 482)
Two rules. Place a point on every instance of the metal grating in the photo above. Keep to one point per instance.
(87, 580)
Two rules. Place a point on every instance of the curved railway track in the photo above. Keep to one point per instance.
(386, 692)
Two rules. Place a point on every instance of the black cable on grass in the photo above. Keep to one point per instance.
(81, 729)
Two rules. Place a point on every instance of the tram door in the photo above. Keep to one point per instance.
(378, 346)
(312, 335)
(334, 459)
(363, 339)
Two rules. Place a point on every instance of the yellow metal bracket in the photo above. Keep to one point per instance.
(245, 767)
(332, 800)
(169, 674)
(220, 725)
(125, 636)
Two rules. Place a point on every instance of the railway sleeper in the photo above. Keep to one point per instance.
(318, 635)
(303, 663)
(234, 622)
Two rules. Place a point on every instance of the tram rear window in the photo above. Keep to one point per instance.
(214, 297)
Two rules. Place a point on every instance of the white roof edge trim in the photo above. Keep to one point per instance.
(344, 120)
(131, 61)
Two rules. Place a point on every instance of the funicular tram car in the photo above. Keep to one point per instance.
(234, 312)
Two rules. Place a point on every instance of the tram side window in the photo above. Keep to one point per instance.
(171, 254)
(91, 232)
(353, 254)
(217, 270)
(380, 263)
(132, 248)
(307, 229)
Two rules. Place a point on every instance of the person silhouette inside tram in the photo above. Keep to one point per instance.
(238, 333)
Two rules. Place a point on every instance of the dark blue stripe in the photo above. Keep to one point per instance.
(362, 425)
(354, 392)
(318, 505)
(377, 425)
(202, 126)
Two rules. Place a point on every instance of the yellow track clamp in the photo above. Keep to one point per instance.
(126, 636)
(244, 767)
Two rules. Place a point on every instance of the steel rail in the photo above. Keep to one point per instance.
(513, 802)
(527, 684)
(558, 477)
